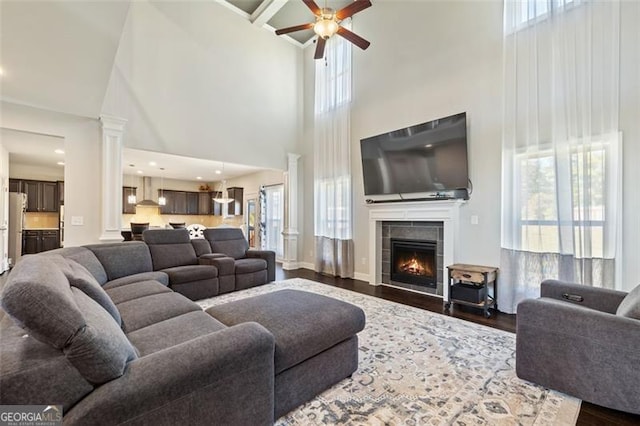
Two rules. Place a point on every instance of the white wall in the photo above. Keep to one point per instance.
(82, 142)
(198, 80)
(29, 171)
(432, 59)
(442, 58)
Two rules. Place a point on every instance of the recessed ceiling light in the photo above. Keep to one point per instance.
(429, 146)
(218, 172)
(153, 163)
(140, 172)
(59, 151)
(199, 177)
(60, 163)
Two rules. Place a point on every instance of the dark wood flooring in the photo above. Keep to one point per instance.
(590, 414)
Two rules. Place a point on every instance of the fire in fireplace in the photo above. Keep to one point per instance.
(414, 262)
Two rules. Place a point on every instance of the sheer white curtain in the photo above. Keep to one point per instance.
(332, 161)
(561, 145)
(274, 213)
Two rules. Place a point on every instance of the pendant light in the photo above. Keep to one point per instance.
(224, 196)
(162, 200)
(131, 198)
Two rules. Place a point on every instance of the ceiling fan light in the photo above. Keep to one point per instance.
(325, 28)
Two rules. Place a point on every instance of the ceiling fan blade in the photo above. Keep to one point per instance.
(294, 29)
(313, 6)
(320, 48)
(352, 9)
(353, 38)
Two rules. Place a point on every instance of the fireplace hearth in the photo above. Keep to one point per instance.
(414, 262)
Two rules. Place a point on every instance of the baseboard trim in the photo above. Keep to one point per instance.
(306, 265)
(361, 276)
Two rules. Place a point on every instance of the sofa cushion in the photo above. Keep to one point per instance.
(229, 241)
(144, 311)
(185, 274)
(38, 296)
(158, 276)
(171, 255)
(136, 290)
(303, 324)
(86, 258)
(630, 305)
(201, 246)
(123, 259)
(32, 371)
(173, 331)
(246, 266)
(82, 279)
(99, 350)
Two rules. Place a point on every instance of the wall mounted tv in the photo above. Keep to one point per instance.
(428, 158)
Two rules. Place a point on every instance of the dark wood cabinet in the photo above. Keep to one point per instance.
(180, 202)
(216, 208)
(126, 207)
(42, 196)
(235, 207)
(36, 241)
(204, 203)
(15, 185)
(60, 192)
(192, 202)
(48, 196)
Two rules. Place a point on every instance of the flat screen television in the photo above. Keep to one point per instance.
(426, 158)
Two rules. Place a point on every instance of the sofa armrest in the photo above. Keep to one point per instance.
(584, 352)
(601, 299)
(202, 381)
(205, 258)
(226, 265)
(270, 257)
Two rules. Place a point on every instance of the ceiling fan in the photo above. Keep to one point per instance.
(328, 23)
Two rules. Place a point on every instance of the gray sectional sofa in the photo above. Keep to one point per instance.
(98, 330)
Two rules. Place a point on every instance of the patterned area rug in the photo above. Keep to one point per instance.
(421, 368)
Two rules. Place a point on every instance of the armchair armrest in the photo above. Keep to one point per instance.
(270, 257)
(584, 352)
(601, 299)
(202, 381)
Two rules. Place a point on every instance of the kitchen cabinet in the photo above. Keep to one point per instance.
(216, 208)
(204, 203)
(42, 196)
(60, 192)
(186, 202)
(126, 207)
(192, 202)
(235, 207)
(39, 240)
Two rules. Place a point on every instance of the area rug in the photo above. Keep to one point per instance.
(421, 368)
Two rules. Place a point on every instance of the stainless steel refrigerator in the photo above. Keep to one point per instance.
(17, 207)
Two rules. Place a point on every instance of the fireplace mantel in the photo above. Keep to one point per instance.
(445, 211)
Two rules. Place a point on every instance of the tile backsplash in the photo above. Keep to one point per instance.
(41, 220)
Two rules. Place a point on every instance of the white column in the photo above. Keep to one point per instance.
(112, 132)
(290, 232)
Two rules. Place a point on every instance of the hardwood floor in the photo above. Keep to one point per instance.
(590, 414)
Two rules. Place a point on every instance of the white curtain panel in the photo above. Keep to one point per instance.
(561, 146)
(274, 206)
(332, 161)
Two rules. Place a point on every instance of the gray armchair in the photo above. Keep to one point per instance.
(582, 341)
(248, 268)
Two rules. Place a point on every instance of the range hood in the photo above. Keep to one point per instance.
(147, 200)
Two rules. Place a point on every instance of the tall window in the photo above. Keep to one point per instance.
(561, 145)
(332, 161)
(274, 209)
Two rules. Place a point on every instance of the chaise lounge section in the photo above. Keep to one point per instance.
(97, 330)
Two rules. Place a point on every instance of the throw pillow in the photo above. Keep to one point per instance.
(100, 351)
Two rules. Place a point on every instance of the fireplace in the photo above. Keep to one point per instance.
(414, 262)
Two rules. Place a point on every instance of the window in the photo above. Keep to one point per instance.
(563, 199)
(274, 219)
(523, 13)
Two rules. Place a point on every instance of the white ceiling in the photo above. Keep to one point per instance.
(59, 54)
(32, 148)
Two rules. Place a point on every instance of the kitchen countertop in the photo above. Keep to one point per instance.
(40, 229)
